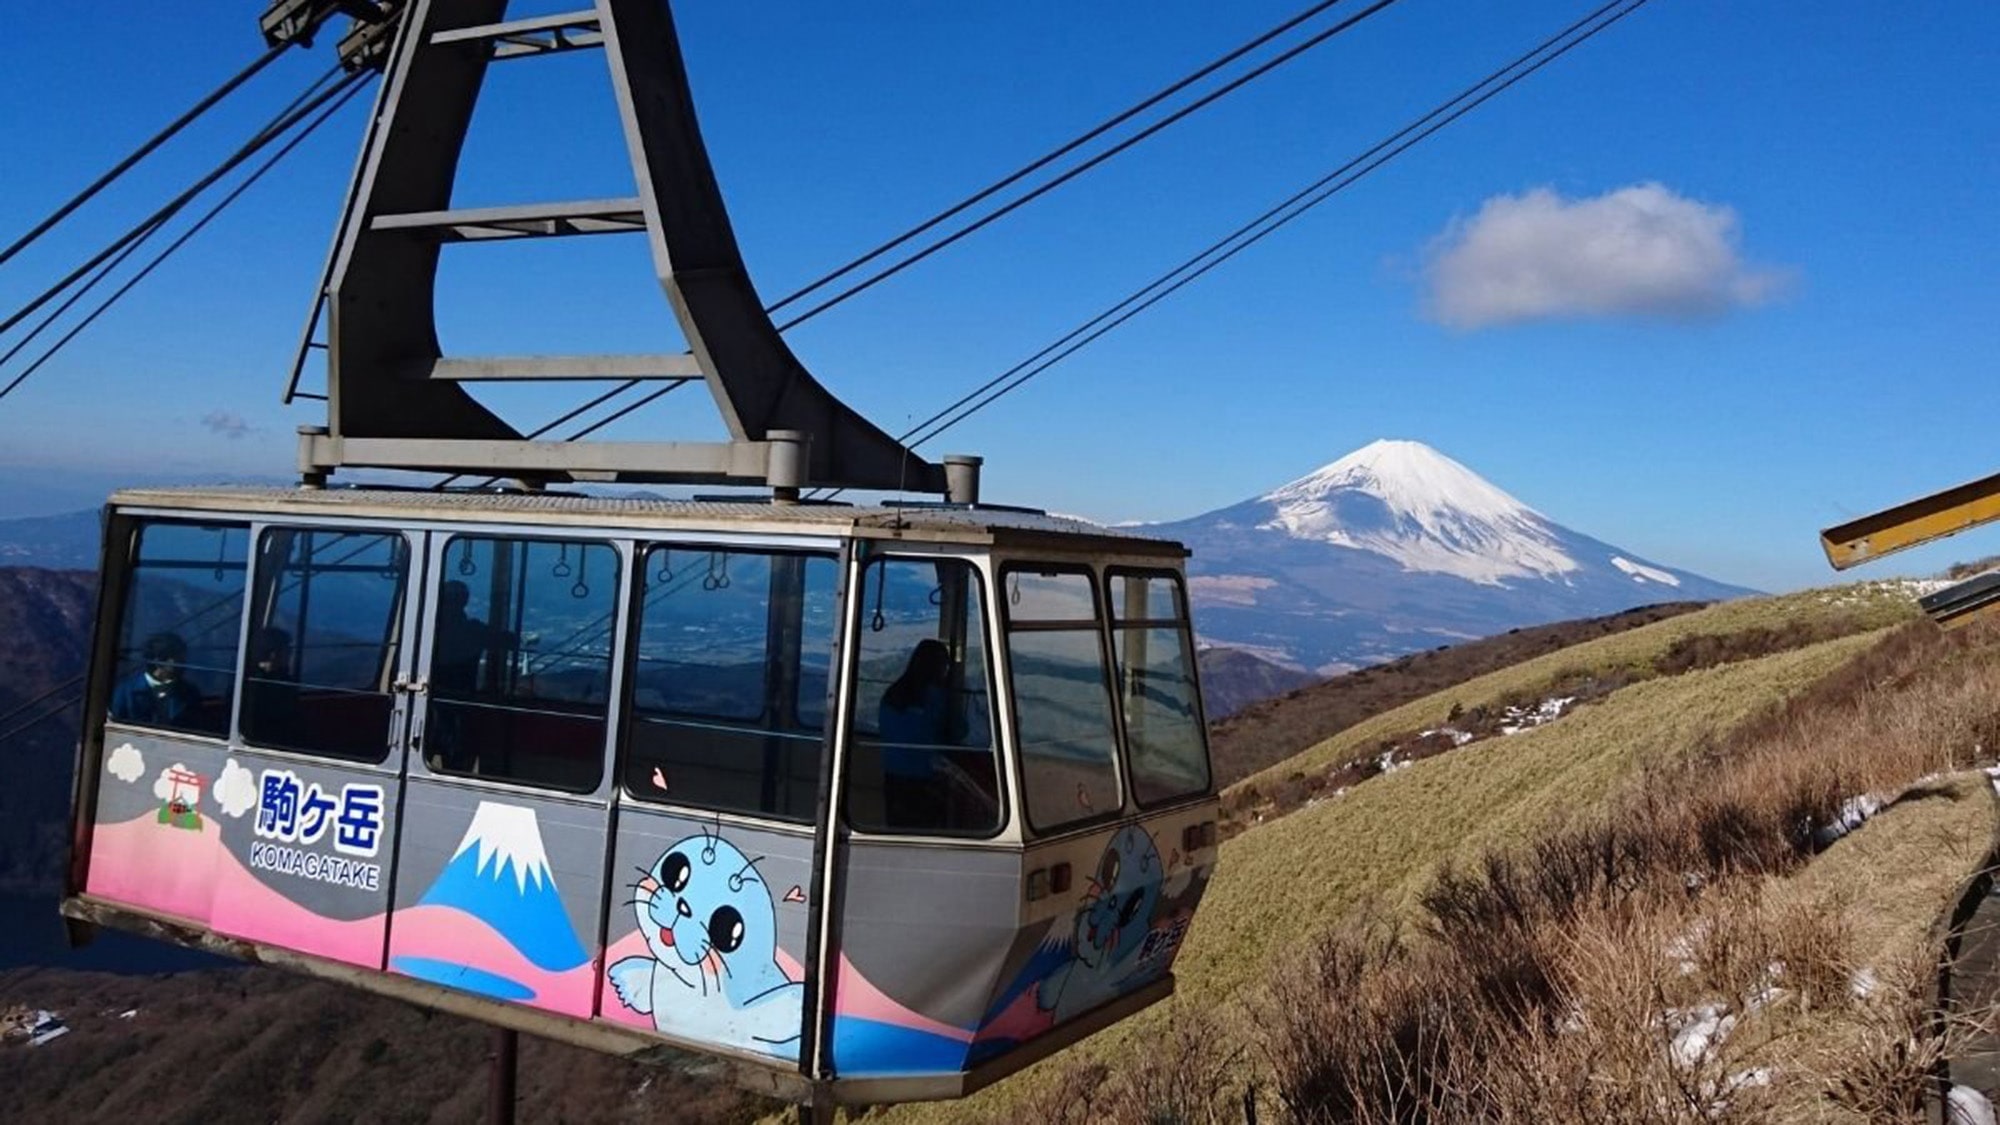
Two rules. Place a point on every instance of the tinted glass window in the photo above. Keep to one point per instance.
(729, 679)
(325, 635)
(177, 634)
(922, 761)
(1167, 748)
(519, 660)
(1061, 697)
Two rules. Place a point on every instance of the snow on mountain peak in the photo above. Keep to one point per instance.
(507, 836)
(1411, 477)
(1406, 500)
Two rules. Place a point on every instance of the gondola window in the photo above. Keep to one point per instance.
(729, 679)
(922, 762)
(1062, 697)
(176, 662)
(519, 661)
(325, 631)
(1166, 746)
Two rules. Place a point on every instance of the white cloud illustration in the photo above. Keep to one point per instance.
(1639, 251)
(126, 763)
(236, 790)
(163, 786)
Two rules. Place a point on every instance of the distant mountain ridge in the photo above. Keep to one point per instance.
(1396, 548)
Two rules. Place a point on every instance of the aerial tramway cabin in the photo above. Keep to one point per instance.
(873, 802)
(899, 798)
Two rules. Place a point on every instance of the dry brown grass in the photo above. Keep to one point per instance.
(1560, 974)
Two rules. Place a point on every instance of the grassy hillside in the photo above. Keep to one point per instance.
(1726, 731)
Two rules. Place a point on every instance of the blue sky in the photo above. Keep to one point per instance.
(1850, 153)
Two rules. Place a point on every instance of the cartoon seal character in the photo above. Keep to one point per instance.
(1110, 929)
(712, 937)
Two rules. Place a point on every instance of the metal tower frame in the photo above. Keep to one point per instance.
(394, 400)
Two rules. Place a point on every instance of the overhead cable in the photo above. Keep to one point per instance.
(1195, 106)
(110, 266)
(331, 100)
(277, 127)
(1055, 154)
(1269, 221)
(143, 151)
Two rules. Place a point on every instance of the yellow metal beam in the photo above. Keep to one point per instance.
(1918, 521)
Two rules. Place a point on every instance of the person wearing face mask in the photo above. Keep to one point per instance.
(157, 695)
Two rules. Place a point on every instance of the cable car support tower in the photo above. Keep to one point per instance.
(395, 400)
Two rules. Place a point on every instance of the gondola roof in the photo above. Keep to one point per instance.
(991, 525)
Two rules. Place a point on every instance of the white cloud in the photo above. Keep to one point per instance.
(1641, 250)
(236, 790)
(126, 763)
(228, 423)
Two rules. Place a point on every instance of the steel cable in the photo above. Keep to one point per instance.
(142, 151)
(278, 126)
(337, 95)
(1269, 221)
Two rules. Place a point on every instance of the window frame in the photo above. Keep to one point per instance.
(394, 741)
(805, 550)
(979, 574)
(1107, 663)
(1183, 622)
(438, 569)
(135, 523)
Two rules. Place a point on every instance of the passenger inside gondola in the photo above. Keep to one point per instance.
(271, 689)
(915, 719)
(156, 695)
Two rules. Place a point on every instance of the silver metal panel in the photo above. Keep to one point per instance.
(597, 216)
(667, 462)
(514, 28)
(568, 367)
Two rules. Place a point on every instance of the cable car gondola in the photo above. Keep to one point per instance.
(873, 803)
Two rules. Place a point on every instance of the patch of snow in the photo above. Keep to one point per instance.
(1444, 518)
(45, 1025)
(1518, 719)
(1700, 1032)
(1643, 573)
(1964, 1105)
(1854, 812)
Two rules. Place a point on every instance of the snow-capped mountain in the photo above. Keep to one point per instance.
(500, 875)
(1396, 548)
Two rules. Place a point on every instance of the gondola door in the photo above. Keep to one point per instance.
(316, 741)
(500, 866)
(719, 785)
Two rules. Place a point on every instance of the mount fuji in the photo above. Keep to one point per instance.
(1396, 548)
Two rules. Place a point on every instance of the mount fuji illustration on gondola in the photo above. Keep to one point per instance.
(499, 876)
